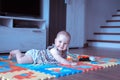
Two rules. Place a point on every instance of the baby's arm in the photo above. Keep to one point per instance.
(64, 61)
(61, 59)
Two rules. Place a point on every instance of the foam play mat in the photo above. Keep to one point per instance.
(10, 70)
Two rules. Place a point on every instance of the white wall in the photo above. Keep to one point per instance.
(45, 15)
(97, 12)
(75, 22)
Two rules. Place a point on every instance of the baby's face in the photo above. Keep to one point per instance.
(62, 42)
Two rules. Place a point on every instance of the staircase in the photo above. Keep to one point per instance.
(109, 35)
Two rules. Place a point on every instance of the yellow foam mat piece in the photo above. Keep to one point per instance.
(109, 64)
(25, 75)
(104, 65)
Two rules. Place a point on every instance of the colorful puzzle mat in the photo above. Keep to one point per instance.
(9, 69)
(99, 63)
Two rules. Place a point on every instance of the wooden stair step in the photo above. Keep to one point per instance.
(109, 26)
(118, 10)
(116, 15)
(108, 41)
(102, 33)
(112, 20)
(109, 34)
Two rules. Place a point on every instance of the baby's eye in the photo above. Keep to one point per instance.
(60, 41)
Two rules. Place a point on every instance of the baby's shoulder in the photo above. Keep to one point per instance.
(53, 50)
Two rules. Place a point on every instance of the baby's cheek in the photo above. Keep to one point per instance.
(65, 47)
(57, 44)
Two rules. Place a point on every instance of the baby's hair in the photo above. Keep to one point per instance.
(67, 34)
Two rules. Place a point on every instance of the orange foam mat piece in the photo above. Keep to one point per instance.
(84, 66)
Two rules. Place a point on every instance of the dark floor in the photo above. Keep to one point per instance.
(111, 73)
(97, 51)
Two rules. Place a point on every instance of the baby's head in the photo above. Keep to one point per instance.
(62, 40)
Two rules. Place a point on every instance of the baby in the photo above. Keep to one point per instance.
(56, 53)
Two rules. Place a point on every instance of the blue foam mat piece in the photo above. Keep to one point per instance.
(49, 69)
(6, 58)
(4, 66)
